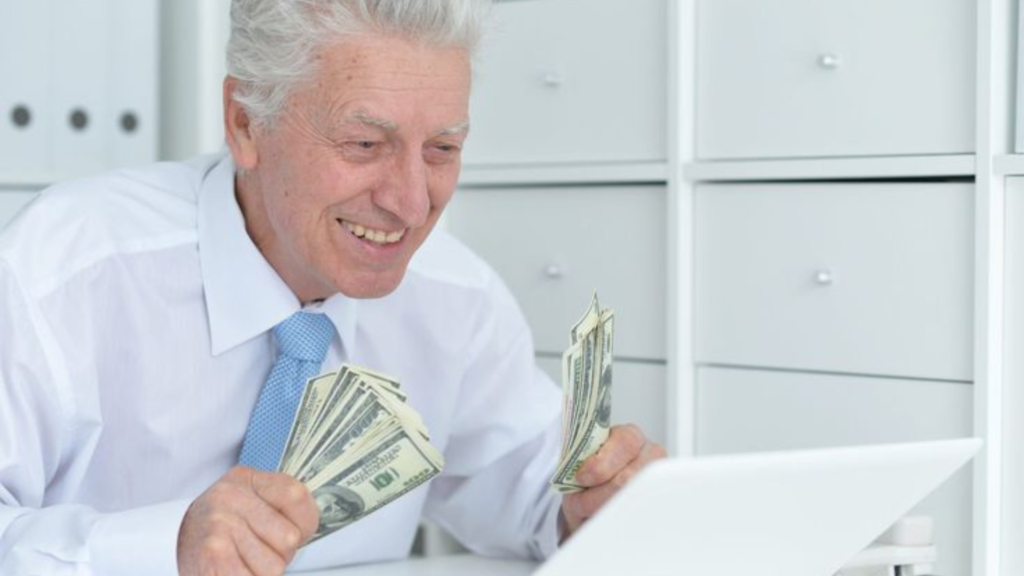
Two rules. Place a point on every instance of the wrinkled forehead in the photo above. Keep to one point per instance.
(392, 61)
(375, 82)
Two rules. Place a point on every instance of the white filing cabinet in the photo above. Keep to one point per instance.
(806, 78)
(837, 313)
(833, 304)
(837, 277)
(571, 82)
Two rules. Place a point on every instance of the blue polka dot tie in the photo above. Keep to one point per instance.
(302, 341)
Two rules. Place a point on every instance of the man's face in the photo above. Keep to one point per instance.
(352, 178)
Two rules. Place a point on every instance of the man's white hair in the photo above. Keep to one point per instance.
(273, 42)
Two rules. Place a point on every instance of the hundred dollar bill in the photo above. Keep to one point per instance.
(383, 473)
(346, 435)
(339, 403)
(357, 445)
(313, 398)
(587, 369)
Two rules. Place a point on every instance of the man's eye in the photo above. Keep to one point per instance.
(442, 153)
(447, 149)
(361, 149)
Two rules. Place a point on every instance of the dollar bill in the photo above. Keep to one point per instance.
(587, 387)
(357, 445)
(383, 473)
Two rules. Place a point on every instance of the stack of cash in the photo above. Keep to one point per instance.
(357, 445)
(587, 393)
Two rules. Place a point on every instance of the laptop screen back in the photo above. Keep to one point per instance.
(796, 513)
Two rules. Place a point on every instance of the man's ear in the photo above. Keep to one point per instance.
(238, 128)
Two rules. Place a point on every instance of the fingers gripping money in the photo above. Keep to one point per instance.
(357, 445)
(597, 459)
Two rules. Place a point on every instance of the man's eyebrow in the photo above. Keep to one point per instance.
(456, 129)
(363, 117)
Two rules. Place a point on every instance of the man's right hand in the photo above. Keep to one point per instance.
(249, 523)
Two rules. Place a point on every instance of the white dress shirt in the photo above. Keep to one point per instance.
(135, 340)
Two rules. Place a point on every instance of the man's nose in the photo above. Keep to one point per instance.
(405, 191)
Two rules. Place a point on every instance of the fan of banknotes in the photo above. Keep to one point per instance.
(587, 393)
(357, 445)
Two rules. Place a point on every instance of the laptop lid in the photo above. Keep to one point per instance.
(794, 513)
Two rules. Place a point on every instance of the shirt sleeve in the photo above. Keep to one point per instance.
(38, 448)
(495, 495)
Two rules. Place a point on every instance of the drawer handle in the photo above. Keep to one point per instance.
(829, 61)
(824, 277)
(553, 80)
(553, 272)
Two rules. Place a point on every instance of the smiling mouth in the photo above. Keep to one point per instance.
(375, 236)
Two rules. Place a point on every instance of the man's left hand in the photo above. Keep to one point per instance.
(625, 452)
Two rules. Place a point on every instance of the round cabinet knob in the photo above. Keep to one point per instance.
(824, 278)
(553, 272)
(553, 80)
(829, 61)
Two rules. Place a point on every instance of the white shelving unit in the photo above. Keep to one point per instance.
(982, 401)
(902, 107)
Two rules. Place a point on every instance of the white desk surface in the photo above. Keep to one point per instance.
(458, 565)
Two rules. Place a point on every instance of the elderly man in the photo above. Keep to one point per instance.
(148, 314)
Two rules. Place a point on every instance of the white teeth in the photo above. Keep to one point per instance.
(377, 236)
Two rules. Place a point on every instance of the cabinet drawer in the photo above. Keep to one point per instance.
(555, 246)
(750, 410)
(571, 81)
(792, 78)
(11, 202)
(638, 394)
(860, 278)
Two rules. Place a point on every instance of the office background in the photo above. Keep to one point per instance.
(808, 215)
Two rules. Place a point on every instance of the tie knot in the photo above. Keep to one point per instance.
(304, 336)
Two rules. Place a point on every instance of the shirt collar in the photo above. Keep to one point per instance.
(245, 297)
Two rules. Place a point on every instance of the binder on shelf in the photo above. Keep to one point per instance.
(80, 94)
(25, 107)
(132, 77)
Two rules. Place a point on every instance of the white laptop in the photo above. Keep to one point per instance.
(796, 513)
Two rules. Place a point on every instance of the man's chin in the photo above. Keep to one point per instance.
(371, 286)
